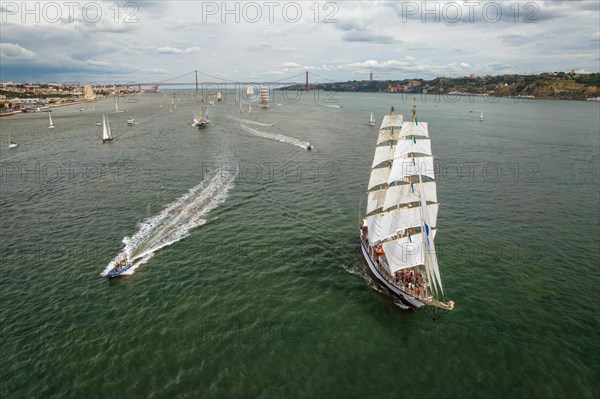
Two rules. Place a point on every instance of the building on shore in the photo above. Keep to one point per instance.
(88, 93)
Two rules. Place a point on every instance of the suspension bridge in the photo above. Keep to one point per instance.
(200, 80)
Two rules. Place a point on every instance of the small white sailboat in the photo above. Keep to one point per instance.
(241, 108)
(11, 144)
(249, 109)
(106, 133)
(481, 117)
(51, 124)
(372, 120)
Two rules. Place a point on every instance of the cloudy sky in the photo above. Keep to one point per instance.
(148, 41)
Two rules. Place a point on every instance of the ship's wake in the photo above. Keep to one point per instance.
(251, 122)
(278, 137)
(174, 222)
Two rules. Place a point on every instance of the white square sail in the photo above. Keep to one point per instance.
(406, 167)
(414, 129)
(392, 121)
(378, 176)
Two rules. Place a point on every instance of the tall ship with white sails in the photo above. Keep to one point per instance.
(202, 120)
(264, 97)
(398, 230)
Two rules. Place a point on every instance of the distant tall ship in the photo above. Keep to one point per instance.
(264, 97)
(201, 121)
(249, 91)
(398, 230)
(219, 96)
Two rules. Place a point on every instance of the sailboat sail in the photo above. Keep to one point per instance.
(372, 120)
(50, 120)
(105, 135)
(402, 208)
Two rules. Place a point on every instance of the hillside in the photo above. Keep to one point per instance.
(557, 85)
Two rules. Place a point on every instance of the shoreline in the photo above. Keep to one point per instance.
(49, 106)
(463, 94)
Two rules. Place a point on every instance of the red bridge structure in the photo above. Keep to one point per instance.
(220, 82)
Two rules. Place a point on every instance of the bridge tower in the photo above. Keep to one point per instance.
(306, 87)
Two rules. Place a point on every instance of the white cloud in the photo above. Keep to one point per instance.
(175, 50)
(97, 63)
(169, 50)
(11, 52)
(369, 35)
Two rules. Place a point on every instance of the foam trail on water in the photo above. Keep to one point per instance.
(249, 122)
(332, 106)
(277, 137)
(174, 222)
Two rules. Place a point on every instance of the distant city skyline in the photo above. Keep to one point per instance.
(106, 41)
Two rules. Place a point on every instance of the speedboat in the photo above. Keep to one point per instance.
(130, 122)
(12, 144)
(118, 269)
